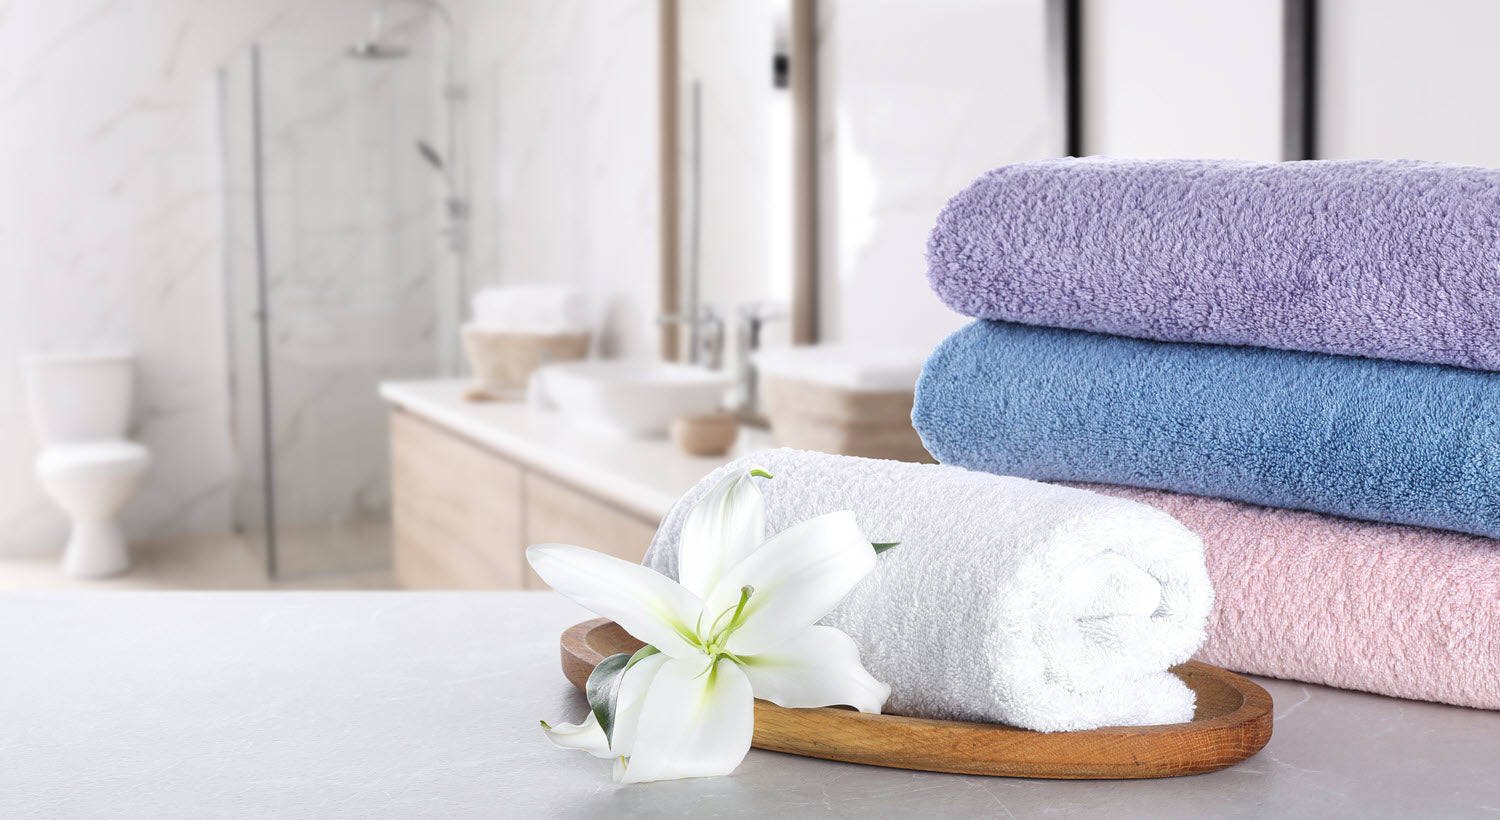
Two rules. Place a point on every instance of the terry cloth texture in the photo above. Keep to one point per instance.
(1379, 258)
(1400, 611)
(1007, 601)
(1363, 438)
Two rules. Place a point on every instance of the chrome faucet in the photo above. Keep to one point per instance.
(705, 335)
(752, 322)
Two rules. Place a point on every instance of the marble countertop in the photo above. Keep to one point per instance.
(644, 476)
(408, 704)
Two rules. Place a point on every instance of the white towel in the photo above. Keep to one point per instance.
(1007, 601)
(531, 309)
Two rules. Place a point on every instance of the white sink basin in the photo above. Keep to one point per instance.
(631, 398)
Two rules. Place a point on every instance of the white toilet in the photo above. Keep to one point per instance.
(80, 407)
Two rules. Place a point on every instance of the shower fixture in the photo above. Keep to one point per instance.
(431, 155)
(376, 50)
(376, 46)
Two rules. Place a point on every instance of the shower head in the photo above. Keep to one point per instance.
(374, 45)
(376, 50)
(431, 155)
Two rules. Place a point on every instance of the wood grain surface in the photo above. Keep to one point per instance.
(1232, 722)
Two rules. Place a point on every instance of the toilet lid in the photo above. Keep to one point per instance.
(116, 456)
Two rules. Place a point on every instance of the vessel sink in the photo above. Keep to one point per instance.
(631, 398)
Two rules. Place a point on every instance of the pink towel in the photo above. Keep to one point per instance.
(1396, 610)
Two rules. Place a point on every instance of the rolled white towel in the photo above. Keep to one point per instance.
(1007, 600)
(531, 309)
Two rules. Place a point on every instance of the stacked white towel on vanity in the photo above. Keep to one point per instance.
(545, 309)
(1007, 600)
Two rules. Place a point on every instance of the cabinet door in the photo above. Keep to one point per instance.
(555, 512)
(455, 510)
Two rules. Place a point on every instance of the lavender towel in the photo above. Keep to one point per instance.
(1377, 258)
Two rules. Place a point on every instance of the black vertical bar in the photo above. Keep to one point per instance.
(1065, 71)
(1299, 116)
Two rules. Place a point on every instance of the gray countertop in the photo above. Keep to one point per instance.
(405, 704)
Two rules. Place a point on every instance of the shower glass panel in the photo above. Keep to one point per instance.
(336, 280)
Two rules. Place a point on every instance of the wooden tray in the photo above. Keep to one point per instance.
(1232, 722)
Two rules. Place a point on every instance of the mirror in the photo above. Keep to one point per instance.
(735, 174)
(815, 140)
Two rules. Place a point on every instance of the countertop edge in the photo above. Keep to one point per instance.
(620, 490)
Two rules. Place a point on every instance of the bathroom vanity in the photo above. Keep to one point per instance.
(474, 483)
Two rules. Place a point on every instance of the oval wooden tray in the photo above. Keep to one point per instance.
(1232, 722)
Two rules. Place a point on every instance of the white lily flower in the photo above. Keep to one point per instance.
(739, 626)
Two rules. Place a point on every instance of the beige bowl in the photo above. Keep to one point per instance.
(503, 362)
(706, 434)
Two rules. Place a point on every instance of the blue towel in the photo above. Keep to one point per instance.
(1364, 438)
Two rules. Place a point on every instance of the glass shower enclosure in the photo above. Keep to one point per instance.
(343, 268)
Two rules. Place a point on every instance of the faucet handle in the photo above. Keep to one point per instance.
(763, 311)
(705, 315)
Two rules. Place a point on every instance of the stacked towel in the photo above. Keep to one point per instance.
(1402, 611)
(1367, 298)
(1377, 440)
(542, 309)
(1008, 601)
(1380, 258)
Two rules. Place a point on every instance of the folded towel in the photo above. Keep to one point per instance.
(1379, 258)
(1007, 601)
(1402, 611)
(1376, 440)
(531, 309)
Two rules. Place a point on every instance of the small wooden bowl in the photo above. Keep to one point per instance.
(705, 434)
(1232, 722)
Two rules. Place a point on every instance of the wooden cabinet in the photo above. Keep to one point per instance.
(462, 514)
(559, 513)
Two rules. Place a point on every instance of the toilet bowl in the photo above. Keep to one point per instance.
(80, 409)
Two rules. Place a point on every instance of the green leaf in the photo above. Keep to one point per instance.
(603, 687)
(883, 546)
(603, 691)
(641, 654)
(761, 473)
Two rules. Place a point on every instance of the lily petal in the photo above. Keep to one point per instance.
(796, 577)
(697, 722)
(721, 529)
(647, 604)
(633, 689)
(589, 736)
(819, 666)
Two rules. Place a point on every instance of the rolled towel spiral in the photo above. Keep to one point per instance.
(1007, 601)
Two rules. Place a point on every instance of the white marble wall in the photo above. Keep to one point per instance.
(918, 98)
(112, 229)
(569, 108)
(110, 216)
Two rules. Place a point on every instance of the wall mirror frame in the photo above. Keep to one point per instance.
(1068, 42)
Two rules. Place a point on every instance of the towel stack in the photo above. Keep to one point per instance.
(517, 329)
(1299, 361)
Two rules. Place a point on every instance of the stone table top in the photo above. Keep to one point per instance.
(408, 704)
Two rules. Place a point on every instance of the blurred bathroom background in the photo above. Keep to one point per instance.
(278, 206)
